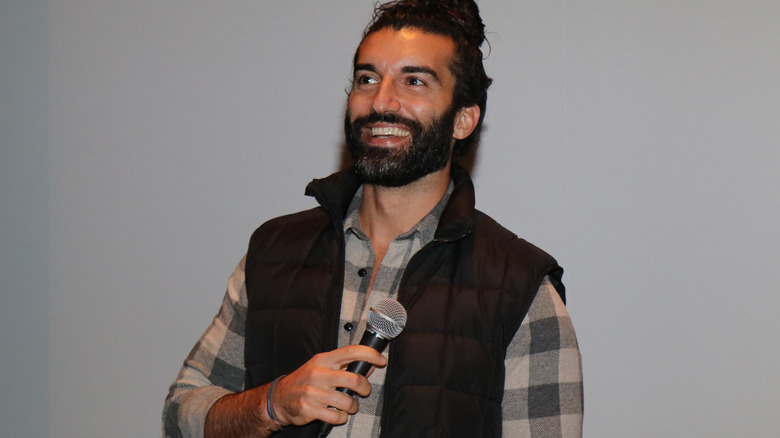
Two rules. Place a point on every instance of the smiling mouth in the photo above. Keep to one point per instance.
(389, 132)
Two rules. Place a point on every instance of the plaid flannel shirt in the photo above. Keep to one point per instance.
(543, 386)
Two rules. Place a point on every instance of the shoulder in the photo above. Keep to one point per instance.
(494, 235)
(312, 216)
(292, 231)
(503, 249)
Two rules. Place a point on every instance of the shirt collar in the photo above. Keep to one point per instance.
(426, 227)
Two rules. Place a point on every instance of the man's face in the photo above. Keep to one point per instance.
(399, 123)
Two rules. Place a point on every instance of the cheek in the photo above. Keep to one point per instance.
(426, 108)
(423, 113)
(357, 105)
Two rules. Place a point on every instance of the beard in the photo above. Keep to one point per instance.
(428, 152)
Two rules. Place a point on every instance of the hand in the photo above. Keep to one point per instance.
(309, 392)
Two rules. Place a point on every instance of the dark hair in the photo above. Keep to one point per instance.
(460, 21)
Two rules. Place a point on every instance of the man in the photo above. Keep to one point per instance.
(488, 348)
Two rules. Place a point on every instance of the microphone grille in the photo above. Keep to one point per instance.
(387, 318)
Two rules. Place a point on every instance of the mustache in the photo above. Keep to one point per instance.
(374, 117)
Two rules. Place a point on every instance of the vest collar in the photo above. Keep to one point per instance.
(335, 192)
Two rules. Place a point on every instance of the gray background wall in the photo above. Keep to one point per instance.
(143, 141)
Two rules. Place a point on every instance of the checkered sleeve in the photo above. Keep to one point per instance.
(543, 391)
(214, 367)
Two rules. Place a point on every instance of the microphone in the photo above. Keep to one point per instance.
(385, 320)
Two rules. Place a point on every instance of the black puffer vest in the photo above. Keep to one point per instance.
(466, 294)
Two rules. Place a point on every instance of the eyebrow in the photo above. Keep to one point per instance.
(407, 69)
(366, 67)
(420, 69)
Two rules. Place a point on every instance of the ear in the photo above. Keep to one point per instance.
(465, 122)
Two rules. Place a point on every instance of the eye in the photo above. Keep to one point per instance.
(365, 80)
(415, 81)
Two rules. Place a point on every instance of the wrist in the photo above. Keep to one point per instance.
(269, 404)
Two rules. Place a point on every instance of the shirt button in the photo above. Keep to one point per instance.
(348, 326)
(362, 272)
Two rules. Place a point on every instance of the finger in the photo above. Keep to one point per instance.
(354, 382)
(335, 416)
(329, 406)
(343, 402)
(353, 353)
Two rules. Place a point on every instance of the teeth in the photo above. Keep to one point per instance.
(389, 131)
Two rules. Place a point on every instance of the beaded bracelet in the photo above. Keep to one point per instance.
(268, 402)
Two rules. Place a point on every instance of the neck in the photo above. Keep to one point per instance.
(387, 212)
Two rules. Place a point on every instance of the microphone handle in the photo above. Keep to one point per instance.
(370, 339)
(324, 429)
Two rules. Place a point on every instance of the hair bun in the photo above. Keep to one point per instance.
(464, 14)
(459, 19)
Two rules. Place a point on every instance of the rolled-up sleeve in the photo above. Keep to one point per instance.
(543, 391)
(214, 367)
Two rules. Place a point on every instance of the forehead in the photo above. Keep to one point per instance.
(388, 48)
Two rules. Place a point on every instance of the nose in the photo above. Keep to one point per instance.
(385, 100)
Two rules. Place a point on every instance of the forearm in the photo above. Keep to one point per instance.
(243, 414)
